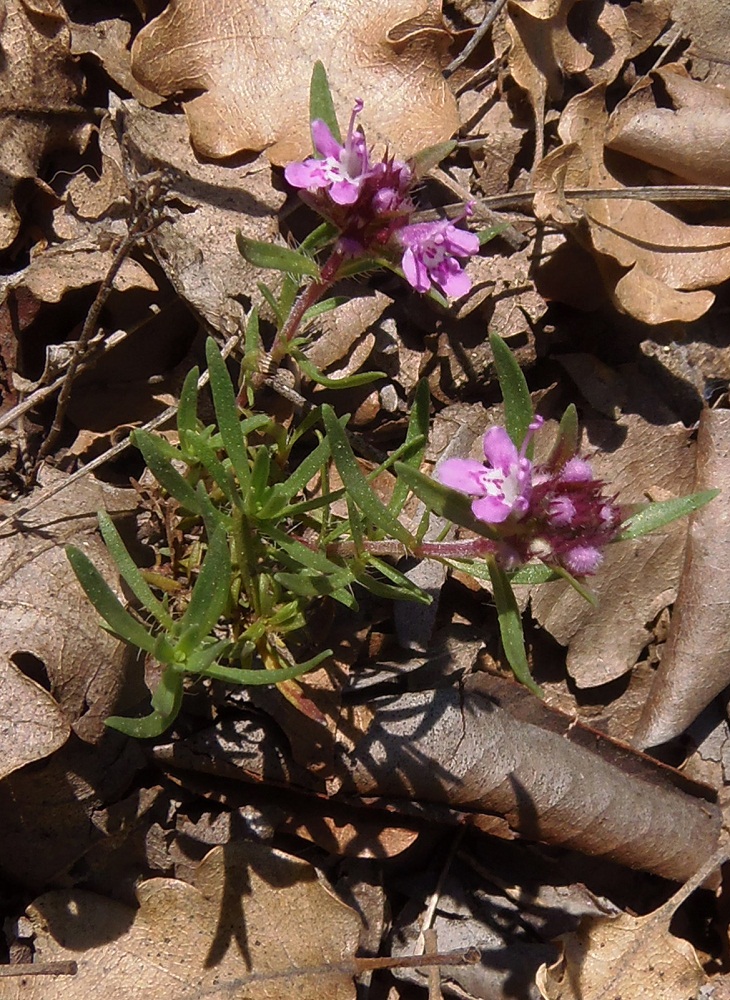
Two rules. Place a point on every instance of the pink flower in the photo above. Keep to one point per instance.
(503, 486)
(431, 249)
(342, 169)
(557, 514)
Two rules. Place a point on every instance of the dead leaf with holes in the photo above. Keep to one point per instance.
(254, 65)
(50, 630)
(39, 111)
(655, 267)
(255, 923)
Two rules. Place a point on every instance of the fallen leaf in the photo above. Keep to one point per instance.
(460, 747)
(655, 267)
(40, 109)
(53, 811)
(689, 140)
(637, 578)
(109, 41)
(705, 24)
(254, 65)
(47, 621)
(197, 245)
(695, 664)
(628, 956)
(32, 724)
(550, 43)
(256, 922)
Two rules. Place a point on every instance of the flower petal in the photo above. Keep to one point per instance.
(461, 242)
(324, 142)
(453, 280)
(492, 510)
(308, 174)
(415, 271)
(462, 474)
(344, 192)
(499, 450)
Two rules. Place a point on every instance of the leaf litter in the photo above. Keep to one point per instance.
(424, 748)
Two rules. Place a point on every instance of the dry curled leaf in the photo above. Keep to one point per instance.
(656, 267)
(253, 67)
(695, 664)
(460, 747)
(256, 923)
(39, 111)
(47, 620)
(690, 140)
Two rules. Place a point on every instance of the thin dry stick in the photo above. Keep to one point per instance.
(143, 226)
(39, 969)
(112, 452)
(489, 18)
(676, 192)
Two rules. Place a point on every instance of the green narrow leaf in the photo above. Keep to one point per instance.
(226, 412)
(272, 301)
(289, 289)
(430, 157)
(518, 411)
(165, 473)
(283, 493)
(210, 594)
(107, 603)
(356, 484)
(334, 383)
(321, 104)
(325, 233)
(263, 676)
(487, 235)
(324, 306)
(131, 572)
(656, 515)
(187, 411)
(510, 626)
(566, 443)
(203, 452)
(403, 589)
(275, 257)
(166, 702)
(418, 424)
(252, 343)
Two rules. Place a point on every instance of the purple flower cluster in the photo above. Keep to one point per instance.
(371, 205)
(556, 513)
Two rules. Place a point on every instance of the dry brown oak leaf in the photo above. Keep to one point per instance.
(253, 63)
(256, 923)
(39, 111)
(656, 267)
(695, 664)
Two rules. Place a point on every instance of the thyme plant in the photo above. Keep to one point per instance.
(265, 546)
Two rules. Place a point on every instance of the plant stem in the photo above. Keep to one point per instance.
(307, 298)
(467, 548)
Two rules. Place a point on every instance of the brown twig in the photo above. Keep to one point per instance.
(489, 18)
(39, 969)
(670, 192)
